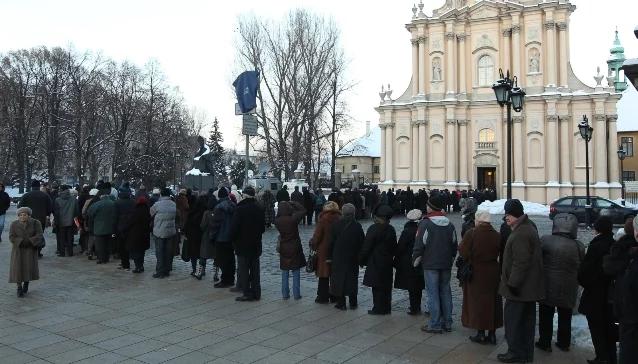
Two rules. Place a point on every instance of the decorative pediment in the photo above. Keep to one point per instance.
(483, 11)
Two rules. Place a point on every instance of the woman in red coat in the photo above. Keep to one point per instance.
(321, 243)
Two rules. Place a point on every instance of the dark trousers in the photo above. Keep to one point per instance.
(628, 343)
(352, 299)
(102, 243)
(122, 250)
(64, 237)
(604, 334)
(546, 325)
(309, 217)
(226, 258)
(163, 255)
(138, 259)
(520, 327)
(381, 300)
(249, 276)
(323, 289)
(415, 299)
(84, 240)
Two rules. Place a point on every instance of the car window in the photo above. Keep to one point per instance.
(603, 204)
(581, 202)
(564, 202)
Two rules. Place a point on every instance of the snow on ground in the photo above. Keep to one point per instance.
(627, 203)
(530, 208)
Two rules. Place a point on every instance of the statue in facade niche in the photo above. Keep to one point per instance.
(436, 69)
(534, 61)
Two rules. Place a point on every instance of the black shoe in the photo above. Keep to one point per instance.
(376, 313)
(341, 307)
(597, 361)
(25, 287)
(479, 339)
(236, 289)
(431, 331)
(159, 275)
(323, 302)
(510, 358)
(222, 285)
(20, 292)
(546, 348)
(353, 307)
(490, 339)
(414, 312)
(562, 348)
(244, 299)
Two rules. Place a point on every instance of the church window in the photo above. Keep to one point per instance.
(486, 135)
(627, 144)
(485, 71)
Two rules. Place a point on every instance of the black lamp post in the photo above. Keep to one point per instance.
(508, 93)
(586, 132)
(621, 155)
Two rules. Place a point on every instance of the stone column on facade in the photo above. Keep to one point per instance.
(516, 50)
(565, 154)
(422, 151)
(450, 152)
(389, 152)
(600, 149)
(383, 156)
(507, 48)
(517, 142)
(449, 56)
(612, 155)
(462, 81)
(414, 138)
(550, 35)
(422, 60)
(463, 154)
(552, 150)
(415, 67)
(562, 46)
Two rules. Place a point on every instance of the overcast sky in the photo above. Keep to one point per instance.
(193, 42)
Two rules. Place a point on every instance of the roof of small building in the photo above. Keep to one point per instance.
(368, 145)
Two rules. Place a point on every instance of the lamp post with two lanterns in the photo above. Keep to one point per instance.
(586, 132)
(621, 155)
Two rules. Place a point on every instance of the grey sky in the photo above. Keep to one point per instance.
(193, 41)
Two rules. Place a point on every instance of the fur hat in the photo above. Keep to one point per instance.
(414, 215)
(93, 192)
(514, 207)
(24, 210)
(330, 206)
(435, 203)
(483, 216)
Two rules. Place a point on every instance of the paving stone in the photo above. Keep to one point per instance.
(251, 354)
(140, 348)
(162, 354)
(74, 355)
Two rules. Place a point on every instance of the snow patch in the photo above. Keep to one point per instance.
(530, 208)
(206, 151)
(627, 203)
(13, 192)
(197, 172)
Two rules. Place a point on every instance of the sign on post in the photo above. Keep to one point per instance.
(249, 126)
(631, 186)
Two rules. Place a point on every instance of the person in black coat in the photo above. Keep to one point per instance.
(407, 276)
(629, 318)
(377, 254)
(5, 202)
(283, 195)
(193, 233)
(138, 238)
(42, 206)
(308, 204)
(124, 206)
(594, 302)
(347, 238)
(246, 228)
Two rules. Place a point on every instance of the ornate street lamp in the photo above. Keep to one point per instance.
(621, 155)
(586, 132)
(509, 94)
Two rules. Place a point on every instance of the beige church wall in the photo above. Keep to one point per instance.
(534, 142)
(532, 34)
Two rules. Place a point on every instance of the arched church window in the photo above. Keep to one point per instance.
(485, 71)
(486, 135)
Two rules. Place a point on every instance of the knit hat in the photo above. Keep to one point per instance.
(93, 192)
(514, 207)
(35, 183)
(435, 203)
(222, 193)
(24, 210)
(384, 211)
(330, 206)
(483, 216)
(249, 190)
(414, 215)
(348, 210)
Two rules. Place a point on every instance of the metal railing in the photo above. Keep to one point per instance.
(485, 145)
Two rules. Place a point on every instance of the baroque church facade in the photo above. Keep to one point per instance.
(447, 130)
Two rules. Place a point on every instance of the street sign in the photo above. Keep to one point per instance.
(631, 186)
(249, 126)
(238, 110)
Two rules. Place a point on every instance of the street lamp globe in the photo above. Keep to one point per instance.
(585, 129)
(501, 89)
(517, 96)
(621, 153)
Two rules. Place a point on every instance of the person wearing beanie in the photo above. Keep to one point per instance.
(434, 250)
(164, 234)
(25, 235)
(246, 228)
(155, 196)
(376, 255)
(346, 241)
(41, 205)
(220, 233)
(522, 284)
(321, 243)
(408, 277)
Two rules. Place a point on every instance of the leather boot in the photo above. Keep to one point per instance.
(25, 287)
(20, 293)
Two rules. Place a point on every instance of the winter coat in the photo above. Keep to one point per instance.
(138, 238)
(320, 200)
(291, 255)
(296, 196)
(164, 214)
(65, 209)
(615, 265)
(192, 228)
(268, 203)
(523, 264)
(5, 202)
(377, 254)
(246, 228)
(25, 240)
(282, 195)
(102, 216)
(407, 276)
(562, 255)
(347, 239)
(220, 225)
(182, 206)
(321, 240)
(124, 207)
(436, 243)
(207, 249)
(39, 203)
(629, 294)
(593, 279)
(308, 201)
(482, 305)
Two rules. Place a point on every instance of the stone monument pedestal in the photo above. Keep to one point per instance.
(199, 182)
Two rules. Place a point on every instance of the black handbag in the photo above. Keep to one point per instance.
(464, 270)
(184, 254)
(311, 264)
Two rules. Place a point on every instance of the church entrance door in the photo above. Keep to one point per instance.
(486, 178)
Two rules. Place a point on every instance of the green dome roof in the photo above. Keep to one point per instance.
(617, 50)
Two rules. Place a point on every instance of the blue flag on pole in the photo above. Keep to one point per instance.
(246, 86)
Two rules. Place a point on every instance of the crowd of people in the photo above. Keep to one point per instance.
(514, 264)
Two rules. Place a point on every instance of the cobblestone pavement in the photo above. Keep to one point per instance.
(82, 312)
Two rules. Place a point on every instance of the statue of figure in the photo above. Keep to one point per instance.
(534, 61)
(436, 69)
(202, 160)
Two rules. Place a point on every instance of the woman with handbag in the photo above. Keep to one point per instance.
(25, 235)
(291, 257)
(482, 306)
(408, 277)
(321, 243)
